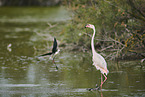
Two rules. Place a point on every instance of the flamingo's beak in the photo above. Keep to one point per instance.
(86, 25)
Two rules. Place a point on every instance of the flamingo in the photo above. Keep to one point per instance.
(98, 61)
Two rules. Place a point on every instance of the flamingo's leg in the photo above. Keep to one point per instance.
(102, 80)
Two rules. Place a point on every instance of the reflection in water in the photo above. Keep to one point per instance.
(19, 85)
(21, 74)
(31, 73)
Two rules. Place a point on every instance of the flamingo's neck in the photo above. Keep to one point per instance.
(92, 41)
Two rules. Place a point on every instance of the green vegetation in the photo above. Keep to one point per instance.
(119, 26)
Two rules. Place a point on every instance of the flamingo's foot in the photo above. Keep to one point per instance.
(94, 89)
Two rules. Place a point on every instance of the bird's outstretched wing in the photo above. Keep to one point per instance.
(54, 49)
(45, 54)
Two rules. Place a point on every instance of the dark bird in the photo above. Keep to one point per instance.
(54, 51)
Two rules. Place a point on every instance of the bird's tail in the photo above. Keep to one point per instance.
(106, 71)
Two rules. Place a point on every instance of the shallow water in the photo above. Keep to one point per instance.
(23, 74)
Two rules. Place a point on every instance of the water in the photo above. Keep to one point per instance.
(25, 33)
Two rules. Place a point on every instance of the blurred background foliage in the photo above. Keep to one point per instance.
(29, 2)
(120, 26)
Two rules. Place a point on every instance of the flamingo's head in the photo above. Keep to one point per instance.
(90, 26)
